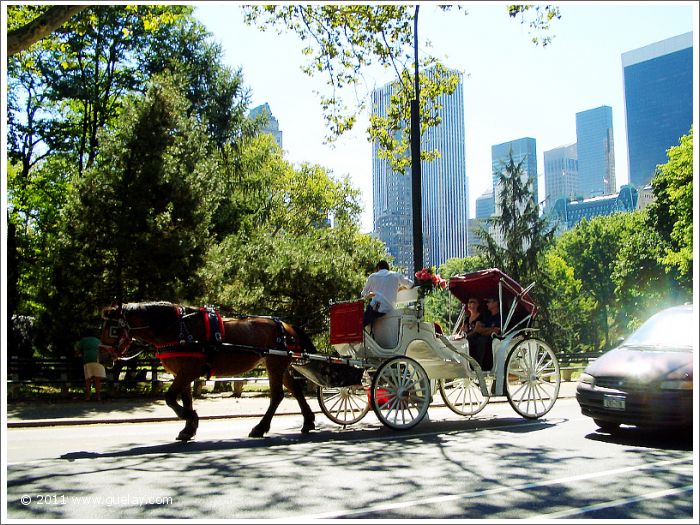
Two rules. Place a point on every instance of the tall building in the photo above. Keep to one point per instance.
(560, 174)
(272, 126)
(444, 189)
(596, 152)
(523, 150)
(658, 84)
(484, 204)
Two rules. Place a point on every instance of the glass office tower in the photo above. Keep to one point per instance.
(560, 174)
(525, 150)
(484, 205)
(444, 189)
(596, 152)
(658, 83)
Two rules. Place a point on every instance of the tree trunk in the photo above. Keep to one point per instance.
(23, 37)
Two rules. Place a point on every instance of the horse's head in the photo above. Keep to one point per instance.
(115, 337)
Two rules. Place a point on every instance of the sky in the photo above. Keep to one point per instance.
(512, 88)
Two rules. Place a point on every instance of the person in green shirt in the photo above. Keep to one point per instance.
(89, 348)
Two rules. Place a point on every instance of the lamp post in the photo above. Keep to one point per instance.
(416, 197)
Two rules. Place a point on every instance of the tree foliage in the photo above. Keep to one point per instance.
(297, 245)
(344, 41)
(671, 215)
(520, 236)
(136, 224)
(31, 25)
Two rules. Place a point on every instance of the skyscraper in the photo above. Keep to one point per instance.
(485, 205)
(560, 174)
(444, 189)
(596, 152)
(272, 127)
(658, 83)
(523, 150)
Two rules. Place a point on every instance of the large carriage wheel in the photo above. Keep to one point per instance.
(532, 378)
(344, 405)
(463, 395)
(400, 393)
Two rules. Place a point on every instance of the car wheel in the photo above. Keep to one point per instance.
(607, 426)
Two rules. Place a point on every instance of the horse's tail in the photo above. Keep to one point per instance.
(305, 341)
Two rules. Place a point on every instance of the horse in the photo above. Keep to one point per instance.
(194, 342)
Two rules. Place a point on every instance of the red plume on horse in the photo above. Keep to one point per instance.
(195, 342)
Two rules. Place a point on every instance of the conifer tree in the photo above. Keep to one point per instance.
(520, 236)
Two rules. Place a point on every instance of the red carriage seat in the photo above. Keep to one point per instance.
(346, 322)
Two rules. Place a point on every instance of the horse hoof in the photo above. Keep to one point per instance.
(308, 428)
(256, 433)
(184, 437)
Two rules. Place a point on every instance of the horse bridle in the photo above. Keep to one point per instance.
(124, 339)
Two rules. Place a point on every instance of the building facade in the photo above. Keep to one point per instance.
(485, 205)
(272, 125)
(658, 85)
(523, 150)
(568, 213)
(596, 152)
(444, 189)
(560, 174)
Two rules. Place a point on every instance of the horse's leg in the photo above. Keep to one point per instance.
(296, 387)
(180, 384)
(191, 415)
(275, 370)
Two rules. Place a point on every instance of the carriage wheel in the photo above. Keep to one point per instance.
(463, 395)
(343, 405)
(400, 393)
(532, 378)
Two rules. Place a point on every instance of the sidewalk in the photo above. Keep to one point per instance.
(141, 410)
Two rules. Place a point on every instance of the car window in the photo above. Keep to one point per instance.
(670, 328)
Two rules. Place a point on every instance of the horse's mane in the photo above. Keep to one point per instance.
(305, 341)
(159, 314)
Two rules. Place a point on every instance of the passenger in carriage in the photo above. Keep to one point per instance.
(382, 286)
(490, 324)
(492, 320)
(468, 328)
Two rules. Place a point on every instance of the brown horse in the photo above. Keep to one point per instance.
(195, 342)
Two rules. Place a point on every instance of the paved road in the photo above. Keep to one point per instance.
(136, 410)
(496, 465)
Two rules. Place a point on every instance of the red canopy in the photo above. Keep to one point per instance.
(484, 284)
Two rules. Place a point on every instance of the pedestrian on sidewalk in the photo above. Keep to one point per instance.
(89, 348)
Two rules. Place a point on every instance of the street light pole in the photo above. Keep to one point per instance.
(416, 197)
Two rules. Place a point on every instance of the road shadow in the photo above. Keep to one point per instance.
(428, 431)
(647, 438)
(73, 409)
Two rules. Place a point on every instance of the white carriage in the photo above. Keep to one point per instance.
(397, 367)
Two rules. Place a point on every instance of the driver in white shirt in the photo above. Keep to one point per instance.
(382, 286)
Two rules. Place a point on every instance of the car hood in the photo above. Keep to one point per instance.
(644, 365)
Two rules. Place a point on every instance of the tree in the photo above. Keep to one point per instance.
(297, 243)
(603, 254)
(67, 89)
(216, 92)
(343, 41)
(642, 285)
(569, 312)
(520, 235)
(671, 215)
(136, 225)
(44, 24)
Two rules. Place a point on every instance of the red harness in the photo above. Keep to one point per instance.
(213, 333)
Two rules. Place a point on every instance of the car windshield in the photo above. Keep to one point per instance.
(668, 328)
